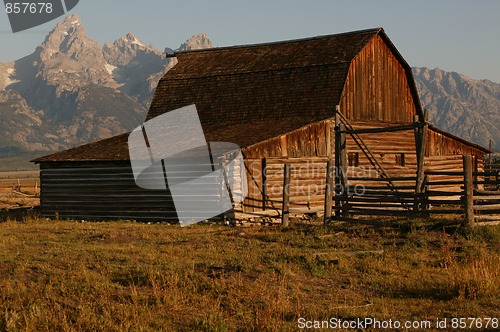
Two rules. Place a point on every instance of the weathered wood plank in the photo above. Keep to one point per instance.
(286, 197)
(469, 190)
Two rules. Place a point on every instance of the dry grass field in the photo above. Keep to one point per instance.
(19, 192)
(125, 276)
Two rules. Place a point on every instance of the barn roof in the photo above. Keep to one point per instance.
(248, 94)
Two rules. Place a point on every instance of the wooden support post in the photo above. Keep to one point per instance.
(330, 177)
(343, 170)
(264, 184)
(329, 138)
(416, 132)
(421, 144)
(468, 190)
(475, 169)
(338, 184)
(425, 203)
(285, 213)
(497, 180)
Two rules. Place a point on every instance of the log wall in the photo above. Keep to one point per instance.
(102, 191)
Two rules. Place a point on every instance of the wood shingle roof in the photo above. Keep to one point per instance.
(248, 94)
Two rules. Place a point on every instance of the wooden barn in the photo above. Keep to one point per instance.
(281, 103)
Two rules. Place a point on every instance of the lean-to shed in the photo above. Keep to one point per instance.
(276, 101)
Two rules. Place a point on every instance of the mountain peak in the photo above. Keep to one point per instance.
(69, 59)
(125, 49)
(71, 25)
(73, 19)
(196, 42)
(63, 37)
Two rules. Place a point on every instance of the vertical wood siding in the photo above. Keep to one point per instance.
(442, 145)
(377, 88)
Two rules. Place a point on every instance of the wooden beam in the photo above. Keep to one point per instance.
(469, 190)
(328, 138)
(381, 130)
(264, 184)
(286, 197)
(330, 177)
(420, 158)
(343, 169)
(491, 207)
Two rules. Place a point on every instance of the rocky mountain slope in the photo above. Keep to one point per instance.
(460, 105)
(71, 91)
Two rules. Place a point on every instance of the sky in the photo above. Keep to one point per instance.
(454, 35)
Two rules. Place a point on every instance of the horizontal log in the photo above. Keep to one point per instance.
(380, 130)
(486, 192)
(444, 183)
(111, 212)
(394, 179)
(444, 201)
(381, 193)
(375, 212)
(380, 199)
(441, 211)
(111, 217)
(486, 198)
(480, 223)
(398, 187)
(487, 207)
(382, 206)
(488, 218)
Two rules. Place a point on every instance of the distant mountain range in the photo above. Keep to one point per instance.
(460, 105)
(71, 91)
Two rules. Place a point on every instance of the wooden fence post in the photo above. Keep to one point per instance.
(468, 190)
(421, 144)
(337, 185)
(264, 184)
(497, 180)
(475, 169)
(330, 169)
(343, 171)
(426, 206)
(340, 170)
(285, 213)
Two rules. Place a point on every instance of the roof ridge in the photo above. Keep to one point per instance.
(281, 42)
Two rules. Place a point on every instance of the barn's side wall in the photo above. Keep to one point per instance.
(100, 190)
(377, 87)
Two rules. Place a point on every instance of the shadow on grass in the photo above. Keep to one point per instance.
(444, 293)
(20, 214)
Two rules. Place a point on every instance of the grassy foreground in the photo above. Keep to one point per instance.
(123, 276)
